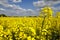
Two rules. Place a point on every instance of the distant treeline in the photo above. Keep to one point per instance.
(3, 15)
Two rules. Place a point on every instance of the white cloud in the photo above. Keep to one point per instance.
(56, 8)
(31, 12)
(4, 2)
(46, 2)
(17, 10)
(12, 9)
(17, 1)
(10, 5)
(51, 3)
(51, 0)
(39, 3)
(2, 9)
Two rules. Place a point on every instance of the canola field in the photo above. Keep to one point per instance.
(30, 28)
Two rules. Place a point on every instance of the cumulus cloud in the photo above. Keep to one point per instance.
(18, 12)
(17, 1)
(39, 3)
(2, 9)
(51, 0)
(4, 2)
(56, 8)
(51, 3)
(15, 10)
(46, 2)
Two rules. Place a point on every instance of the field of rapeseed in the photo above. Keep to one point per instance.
(44, 27)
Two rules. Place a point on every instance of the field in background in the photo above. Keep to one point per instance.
(45, 27)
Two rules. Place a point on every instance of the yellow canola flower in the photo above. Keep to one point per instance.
(47, 10)
(10, 39)
(25, 35)
(29, 38)
(1, 35)
(1, 27)
(33, 39)
(1, 38)
(32, 30)
(22, 27)
(46, 26)
(21, 34)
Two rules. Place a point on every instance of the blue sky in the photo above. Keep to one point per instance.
(28, 4)
(26, 7)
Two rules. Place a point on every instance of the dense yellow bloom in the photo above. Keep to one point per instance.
(47, 9)
(1, 27)
(29, 38)
(30, 28)
(33, 39)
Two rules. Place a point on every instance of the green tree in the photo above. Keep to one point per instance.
(2, 15)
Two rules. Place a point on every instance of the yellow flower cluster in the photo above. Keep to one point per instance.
(30, 28)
